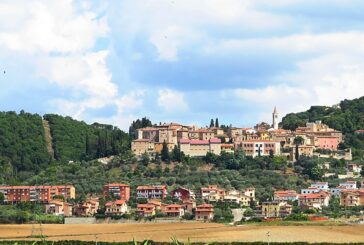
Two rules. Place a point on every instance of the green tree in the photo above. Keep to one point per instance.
(298, 141)
(145, 159)
(2, 198)
(216, 122)
(165, 152)
(212, 123)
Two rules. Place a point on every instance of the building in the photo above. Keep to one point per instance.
(324, 186)
(355, 168)
(351, 198)
(58, 207)
(288, 195)
(314, 200)
(199, 148)
(212, 193)
(146, 210)
(274, 209)
(117, 191)
(87, 208)
(118, 207)
(141, 146)
(152, 192)
(275, 118)
(174, 210)
(41, 194)
(256, 148)
(189, 206)
(204, 212)
(183, 194)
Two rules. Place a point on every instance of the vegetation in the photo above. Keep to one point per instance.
(74, 140)
(22, 141)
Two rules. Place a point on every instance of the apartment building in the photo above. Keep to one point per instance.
(152, 192)
(42, 194)
(256, 148)
(117, 191)
(199, 148)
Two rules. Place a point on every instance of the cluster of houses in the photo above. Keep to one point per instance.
(54, 198)
(262, 140)
(316, 196)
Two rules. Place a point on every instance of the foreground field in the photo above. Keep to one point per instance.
(196, 232)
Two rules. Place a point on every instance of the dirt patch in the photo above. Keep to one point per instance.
(202, 232)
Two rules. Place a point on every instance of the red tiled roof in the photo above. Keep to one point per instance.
(116, 185)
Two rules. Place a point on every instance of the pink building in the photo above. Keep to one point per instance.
(327, 142)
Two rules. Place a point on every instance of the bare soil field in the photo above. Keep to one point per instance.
(202, 232)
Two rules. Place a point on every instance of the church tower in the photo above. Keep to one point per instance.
(275, 118)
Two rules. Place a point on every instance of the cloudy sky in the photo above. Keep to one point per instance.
(179, 60)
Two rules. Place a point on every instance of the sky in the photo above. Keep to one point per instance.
(186, 61)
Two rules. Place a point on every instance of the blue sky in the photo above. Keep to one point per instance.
(179, 60)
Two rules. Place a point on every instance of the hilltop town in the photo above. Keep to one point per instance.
(170, 143)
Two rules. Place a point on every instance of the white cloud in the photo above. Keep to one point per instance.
(49, 26)
(85, 73)
(172, 101)
(325, 80)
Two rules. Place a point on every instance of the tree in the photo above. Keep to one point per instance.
(216, 122)
(2, 198)
(176, 154)
(145, 159)
(298, 141)
(212, 123)
(165, 152)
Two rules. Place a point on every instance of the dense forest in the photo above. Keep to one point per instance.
(75, 140)
(22, 141)
(347, 117)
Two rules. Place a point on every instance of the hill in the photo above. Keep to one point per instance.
(22, 140)
(347, 116)
(75, 140)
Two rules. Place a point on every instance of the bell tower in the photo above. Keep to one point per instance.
(275, 118)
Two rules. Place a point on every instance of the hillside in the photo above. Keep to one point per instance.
(22, 140)
(347, 117)
(75, 140)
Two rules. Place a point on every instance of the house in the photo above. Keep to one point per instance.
(87, 208)
(183, 194)
(212, 193)
(350, 198)
(174, 210)
(58, 207)
(118, 207)
(204, 212)
(117, 191)
(314, 200)
(250, 192)
(152, 192)
(288, 195)
(355, 168)
(232, 196)
(146, 210)
(189, 206)
(274, 209)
